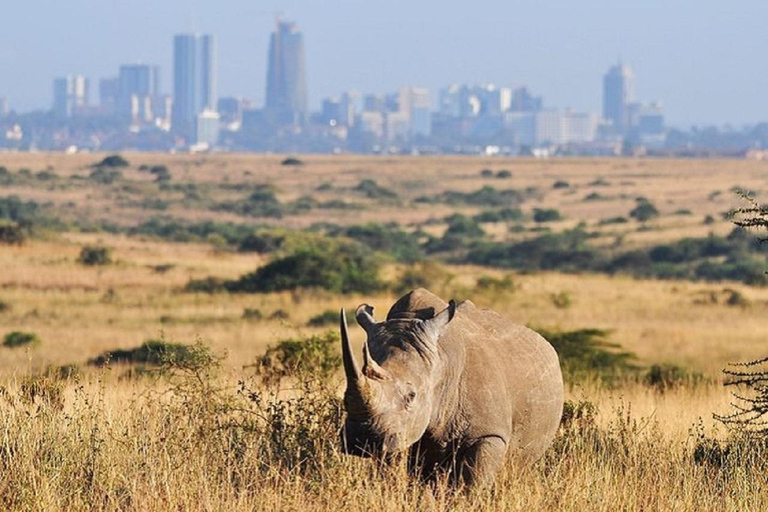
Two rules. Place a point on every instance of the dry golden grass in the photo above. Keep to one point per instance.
(132, 444)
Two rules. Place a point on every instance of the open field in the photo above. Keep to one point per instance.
(104, 438)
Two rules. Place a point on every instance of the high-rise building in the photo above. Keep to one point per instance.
(286, 76)
(109, 90)
(524, 101)
(138, 89)
(194, 80)
(618, 94)
(69, 93)
(3, 107)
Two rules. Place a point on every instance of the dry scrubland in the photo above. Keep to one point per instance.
(206, 433)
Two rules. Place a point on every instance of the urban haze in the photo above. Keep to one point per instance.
(410, 78)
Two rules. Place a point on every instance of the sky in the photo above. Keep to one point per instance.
(704, 60)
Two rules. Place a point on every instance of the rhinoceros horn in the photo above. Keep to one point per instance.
(359, 389)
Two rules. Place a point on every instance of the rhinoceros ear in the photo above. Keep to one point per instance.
(364, 315)
(435, 325)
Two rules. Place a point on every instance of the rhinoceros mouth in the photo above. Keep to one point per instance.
(359, 440)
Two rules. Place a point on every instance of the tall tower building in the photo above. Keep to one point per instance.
(286, 76)
(194, 80)
(69, 93)
(618, 94)
(138, 86)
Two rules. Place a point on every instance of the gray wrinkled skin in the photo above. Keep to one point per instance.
(459, 389)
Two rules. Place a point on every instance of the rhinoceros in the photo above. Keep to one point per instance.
(458, 388)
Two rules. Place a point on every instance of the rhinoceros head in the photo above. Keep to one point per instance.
(390, 398)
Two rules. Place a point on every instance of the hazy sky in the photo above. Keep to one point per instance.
(703, 59)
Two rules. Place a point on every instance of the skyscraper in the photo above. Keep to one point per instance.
(194, 80)
(69, 93)
(138, 87)
(286, 76)
(618, 93)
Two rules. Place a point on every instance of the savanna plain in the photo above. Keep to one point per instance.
(169, 324)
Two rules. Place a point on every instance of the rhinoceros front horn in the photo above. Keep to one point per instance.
(351, 368)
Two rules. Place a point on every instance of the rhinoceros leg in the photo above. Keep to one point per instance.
(481, 462)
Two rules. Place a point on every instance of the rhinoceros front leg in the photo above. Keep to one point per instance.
(482, 461)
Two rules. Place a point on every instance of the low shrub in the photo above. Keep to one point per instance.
(93, 255)
(586, 353)
(373, 190)
(206, 285)
(495, 285)
(252, 314)
(503, 174)
(546, 215)
(291, 161)
(562, 300)
(113, 161)
(327, 317)
(155, 352)
(318, 356)
(500, 215)
(20, 339)
(105, 176)
(560, 184)
(664, 377)
(644, 211)
(334, 265)
(12, 234)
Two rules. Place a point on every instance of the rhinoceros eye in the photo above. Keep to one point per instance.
(409, 397)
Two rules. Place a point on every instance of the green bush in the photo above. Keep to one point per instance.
(463, 226)
(503, 174)
(567, 251)
(20, 339)
(546, 215)
(427, 274)
(335, 266)
(161, 173)
(664, 377)
(318, 356)
(252, 314)
(206, 285)
(105, 176)
(92, 255)
(486, 173)
(329, 317)
(291, 161)
(487, 196)
(262, 202)
(644, 211)
(501, 215)
(155, 352)
(561, 184)
(586, 353)
(113, 161)
(495, 285)
(11, 233)
(386, 238)
(373, 190)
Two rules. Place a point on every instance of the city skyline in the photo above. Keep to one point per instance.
(562, 57)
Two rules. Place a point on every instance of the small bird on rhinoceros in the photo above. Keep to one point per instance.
(460, 389)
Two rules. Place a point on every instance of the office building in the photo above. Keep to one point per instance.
(207, 128)
(618, 94)
(286, 100)
(69, 94)
(3, 107)
(194, 81)
(138, 88)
